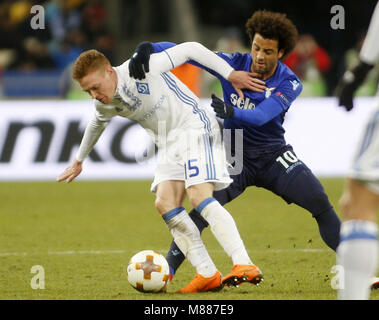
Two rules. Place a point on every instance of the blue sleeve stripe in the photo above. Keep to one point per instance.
(173, 66)
(187, 100)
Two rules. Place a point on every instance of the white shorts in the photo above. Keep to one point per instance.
(195, 158)
(365, 166)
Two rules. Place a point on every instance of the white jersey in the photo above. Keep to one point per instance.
(365, 166)
(187, 135)
(159, 100)
(370, 48)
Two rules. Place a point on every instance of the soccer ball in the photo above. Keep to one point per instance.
(148, 271)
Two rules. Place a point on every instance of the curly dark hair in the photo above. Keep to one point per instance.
(273, 25)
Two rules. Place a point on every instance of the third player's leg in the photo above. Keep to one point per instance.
(357, 252)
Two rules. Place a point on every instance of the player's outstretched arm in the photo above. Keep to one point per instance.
(368, 55)
(139, 66)
(92, 133)
(71, 172)
(177, 55)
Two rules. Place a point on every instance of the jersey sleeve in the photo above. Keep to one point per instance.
(177, 55)
(370, 49)
(92, 133)
(161, 46)
(278, 102)
(228, 57)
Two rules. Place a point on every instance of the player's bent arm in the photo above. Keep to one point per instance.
(279, 102)
(91, 135)
(94, 129)
(263, 113)
(177, 55)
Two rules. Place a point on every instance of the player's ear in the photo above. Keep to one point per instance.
(281, 54)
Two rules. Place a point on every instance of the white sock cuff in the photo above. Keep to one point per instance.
(358, 229)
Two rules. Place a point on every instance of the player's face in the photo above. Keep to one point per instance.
(100, 84)
(265, 54)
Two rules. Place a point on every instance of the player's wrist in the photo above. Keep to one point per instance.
(356, 76)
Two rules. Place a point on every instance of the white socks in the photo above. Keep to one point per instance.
(187, 238)
(357, 253)
(225, 230)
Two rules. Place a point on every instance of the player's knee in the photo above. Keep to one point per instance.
(318, 202)
(198, 193)
(164, 205)
(346, 204)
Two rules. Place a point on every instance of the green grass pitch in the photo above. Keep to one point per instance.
(84, 233)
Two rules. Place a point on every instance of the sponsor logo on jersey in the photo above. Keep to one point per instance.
(136, 102)
(121, 103)
(283, 97)
(142, 87)
(153, 109)
(241, 104)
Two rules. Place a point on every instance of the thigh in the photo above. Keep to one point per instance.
(204, 161)
(290, 178)
(199, 192)
(358, 202)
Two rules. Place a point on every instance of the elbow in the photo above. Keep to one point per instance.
(260, 123)
(256, 121)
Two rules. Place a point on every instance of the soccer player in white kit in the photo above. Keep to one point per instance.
(191, 156)
(358, 248)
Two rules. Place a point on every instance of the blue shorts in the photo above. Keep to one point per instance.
(279, 170)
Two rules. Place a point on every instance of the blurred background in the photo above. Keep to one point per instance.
(37, 63)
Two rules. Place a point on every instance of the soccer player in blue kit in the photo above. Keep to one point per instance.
(268, 161)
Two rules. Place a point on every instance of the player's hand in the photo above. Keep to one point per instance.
(139, 63)
(222, 109)
(350, 82)
(71, 172)
(246, 80)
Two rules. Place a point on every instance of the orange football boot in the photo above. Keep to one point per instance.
(202, 284)
(243, 273)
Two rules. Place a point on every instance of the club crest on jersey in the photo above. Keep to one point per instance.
(268, 92)
(142, 87)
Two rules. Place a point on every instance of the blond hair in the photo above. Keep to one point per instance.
(87, 62)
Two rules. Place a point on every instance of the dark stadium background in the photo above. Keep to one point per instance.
(121, 25)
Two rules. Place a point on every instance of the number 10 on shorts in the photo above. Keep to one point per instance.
(288, 157)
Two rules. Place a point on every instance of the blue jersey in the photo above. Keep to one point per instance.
(260, 115)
